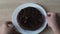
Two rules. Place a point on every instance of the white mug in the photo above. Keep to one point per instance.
(19, 8)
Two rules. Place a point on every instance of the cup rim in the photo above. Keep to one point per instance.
(17, 10)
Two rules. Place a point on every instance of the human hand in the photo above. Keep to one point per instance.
(52, 23)
(7, 28)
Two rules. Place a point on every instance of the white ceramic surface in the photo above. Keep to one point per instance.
(17, 10)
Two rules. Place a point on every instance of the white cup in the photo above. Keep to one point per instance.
(19, 8)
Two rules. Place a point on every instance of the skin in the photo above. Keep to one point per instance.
(52, 23)
(6, 28)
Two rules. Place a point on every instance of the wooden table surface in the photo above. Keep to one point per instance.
(7, 8)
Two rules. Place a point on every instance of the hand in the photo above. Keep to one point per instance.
(7, 28)
(51, 19)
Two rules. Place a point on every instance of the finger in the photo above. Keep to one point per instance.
(9, 24)
(48, 15)
(51, 14)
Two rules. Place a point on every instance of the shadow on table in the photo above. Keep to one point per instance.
(58, 19)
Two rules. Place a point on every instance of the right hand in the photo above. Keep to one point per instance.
(52, 23)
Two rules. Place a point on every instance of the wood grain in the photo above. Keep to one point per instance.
(7, 7)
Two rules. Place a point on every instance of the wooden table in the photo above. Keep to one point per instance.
(7, 7)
